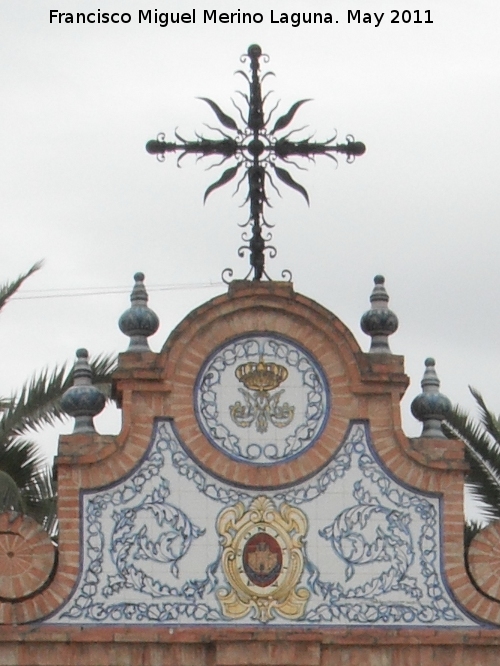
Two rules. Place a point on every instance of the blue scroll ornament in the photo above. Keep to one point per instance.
(153, 531)
(367, 533)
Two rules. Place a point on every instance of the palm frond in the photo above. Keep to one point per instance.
(10, 495)
(5, 403)
(102, 367)
(9, 288)
(27, 483)
(21, 459)
(483, 488)
(472, 528)
(472, 434)
(488, 419)
(483, 455)
(40, 499)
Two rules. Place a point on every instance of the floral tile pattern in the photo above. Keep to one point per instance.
(366, 550)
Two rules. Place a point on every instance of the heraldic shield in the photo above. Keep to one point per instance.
(262, 560)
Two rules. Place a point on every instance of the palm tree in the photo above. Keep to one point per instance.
(482, 449)
(27, 483)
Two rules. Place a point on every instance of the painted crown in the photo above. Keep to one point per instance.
(261, 376)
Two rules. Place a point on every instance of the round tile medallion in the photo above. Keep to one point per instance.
(261, 399)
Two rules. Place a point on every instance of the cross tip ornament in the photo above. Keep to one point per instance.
(258, 153)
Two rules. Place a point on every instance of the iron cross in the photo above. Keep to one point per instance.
(256, 151)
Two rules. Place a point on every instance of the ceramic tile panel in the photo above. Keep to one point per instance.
(172, 544)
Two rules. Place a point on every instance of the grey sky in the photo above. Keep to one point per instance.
(421, 207)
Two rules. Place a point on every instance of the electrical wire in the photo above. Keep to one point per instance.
(74, 292)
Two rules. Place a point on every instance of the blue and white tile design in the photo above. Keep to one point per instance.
(152, 555)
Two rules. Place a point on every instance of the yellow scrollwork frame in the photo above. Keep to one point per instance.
(288, 526)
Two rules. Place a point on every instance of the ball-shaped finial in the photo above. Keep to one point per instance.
(357, 148)
(139, 321)
(254, 51)
(379, 322)
(431, 407)
(83, 401)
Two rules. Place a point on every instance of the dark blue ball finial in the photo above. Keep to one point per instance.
(139, 321)
(431, 406)
(379, 322)
(83, 401)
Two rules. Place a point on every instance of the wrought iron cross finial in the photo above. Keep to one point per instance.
(257, 150)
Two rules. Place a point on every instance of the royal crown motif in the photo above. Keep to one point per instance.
(261, 376)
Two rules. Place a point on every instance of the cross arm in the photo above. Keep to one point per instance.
(284, 148)
(226, 147)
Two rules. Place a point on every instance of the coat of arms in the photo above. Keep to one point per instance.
(262, 560)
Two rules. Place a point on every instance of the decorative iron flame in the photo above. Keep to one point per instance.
(257, 152)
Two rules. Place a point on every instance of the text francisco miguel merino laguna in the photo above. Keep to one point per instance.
(164, 19)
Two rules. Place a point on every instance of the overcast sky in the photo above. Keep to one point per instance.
(77, 188)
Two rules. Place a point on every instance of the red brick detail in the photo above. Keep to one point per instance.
(109, 646)
(437, 453)
(484, 560)
(236, 653)
(27, 556)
